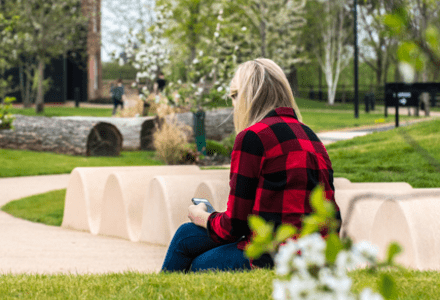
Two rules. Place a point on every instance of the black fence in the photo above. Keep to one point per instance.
(344, 93)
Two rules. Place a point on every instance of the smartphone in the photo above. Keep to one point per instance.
(200, 200)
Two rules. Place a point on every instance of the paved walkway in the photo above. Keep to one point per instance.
(27, 247)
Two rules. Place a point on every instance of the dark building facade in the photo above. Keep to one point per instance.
(73, 78)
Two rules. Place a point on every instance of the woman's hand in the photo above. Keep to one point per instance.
(198, 214)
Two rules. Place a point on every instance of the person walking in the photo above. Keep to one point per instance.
(118, 95)
(276, 162)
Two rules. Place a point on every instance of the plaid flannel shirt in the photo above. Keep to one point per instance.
(275, 164)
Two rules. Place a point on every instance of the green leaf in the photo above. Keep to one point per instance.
(317, 200)
(393, 250)
(254, 250)
(334, 245)
(387, 287)
(284, 232)
(433, 38)
(263, 230)
(407, 51)
(394, 23)
(311, 224)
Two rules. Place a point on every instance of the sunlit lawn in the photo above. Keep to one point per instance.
(64, 111)
(26, 163)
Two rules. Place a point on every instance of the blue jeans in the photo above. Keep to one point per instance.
(192, 250)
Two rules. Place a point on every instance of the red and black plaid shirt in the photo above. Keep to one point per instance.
(276, 163)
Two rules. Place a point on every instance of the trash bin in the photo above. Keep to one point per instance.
(199, 131)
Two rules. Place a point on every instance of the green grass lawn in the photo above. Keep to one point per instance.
(26, 163)
(62, 111)
(255, 284)
(388, 157)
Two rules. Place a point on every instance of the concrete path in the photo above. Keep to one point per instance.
(27, 247)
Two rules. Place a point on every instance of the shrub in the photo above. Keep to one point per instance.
(214, 147)
(113, 71)
(228, 143)
(169, 138)
(6, 118)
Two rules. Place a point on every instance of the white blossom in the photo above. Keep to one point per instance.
(195, 61)
(368, 294)
(407, 71)
(284, 257)
(219, 89)
(216, 34)
(243, 28)
(279, 289)
(367, 250)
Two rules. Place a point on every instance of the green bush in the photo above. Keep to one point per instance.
(228, 143)
(113, 71)
(216, 99)
(213, 147)
(6, 118)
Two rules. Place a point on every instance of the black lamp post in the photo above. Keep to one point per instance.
(356, 61)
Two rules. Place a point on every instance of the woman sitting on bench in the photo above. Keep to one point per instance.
(276, 163)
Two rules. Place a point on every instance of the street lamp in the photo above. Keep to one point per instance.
(356, 61)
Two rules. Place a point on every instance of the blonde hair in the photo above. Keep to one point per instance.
(258, 87)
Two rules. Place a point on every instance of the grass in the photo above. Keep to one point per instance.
(47, 208)
(62, 111)
(255, 284)
(26, 163)
(325, 121)
(389, 157)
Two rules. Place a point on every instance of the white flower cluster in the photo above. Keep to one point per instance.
(309, 276)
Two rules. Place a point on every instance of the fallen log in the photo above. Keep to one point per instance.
(63, 136)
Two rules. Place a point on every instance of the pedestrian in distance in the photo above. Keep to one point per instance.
(158, 86)
(118, 95)
(276, 162)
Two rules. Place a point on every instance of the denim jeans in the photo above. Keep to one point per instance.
(191, 249)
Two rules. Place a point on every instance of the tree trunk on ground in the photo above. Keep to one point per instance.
(90, 138)
(39, 103)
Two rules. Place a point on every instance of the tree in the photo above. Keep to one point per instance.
(8, 40)
(328, 38)
(190, 24)
(378, 49)
(124, 20)
(271, 29)
(52, 29)
(415, 24)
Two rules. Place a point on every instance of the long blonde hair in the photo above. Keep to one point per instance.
(258, 87)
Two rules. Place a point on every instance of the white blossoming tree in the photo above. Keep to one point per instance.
(328, 39)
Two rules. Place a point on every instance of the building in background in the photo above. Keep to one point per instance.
(94, 66)
(73, 78)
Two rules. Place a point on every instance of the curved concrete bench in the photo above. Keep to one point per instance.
(84, 196)
(167, 201)
(124, 196)
(363, 211)
(216, 191)
(82, 208)
(414, 223)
